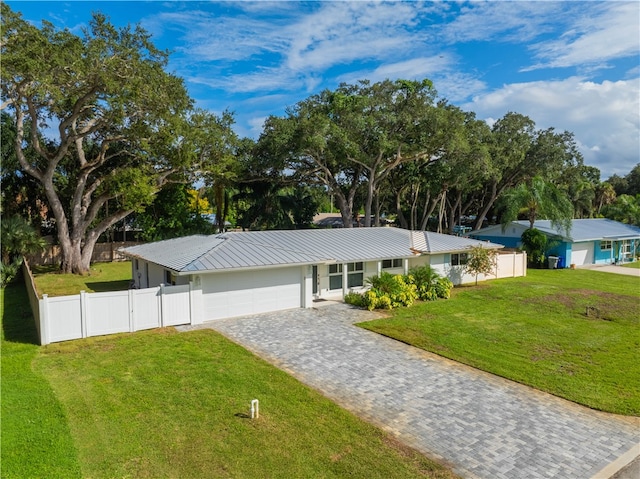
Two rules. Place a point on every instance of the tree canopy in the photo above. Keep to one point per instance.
(98, 121)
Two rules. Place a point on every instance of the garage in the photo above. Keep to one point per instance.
(239, 293)
(582, 253)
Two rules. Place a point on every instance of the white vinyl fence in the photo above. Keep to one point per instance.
(96, 314)
(83, 315)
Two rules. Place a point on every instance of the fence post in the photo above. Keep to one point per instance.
(191, 302)
(44, 318)
(132, 326)
(162, 305)
(83, 313)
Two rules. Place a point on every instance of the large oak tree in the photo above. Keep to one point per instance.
(114, 120)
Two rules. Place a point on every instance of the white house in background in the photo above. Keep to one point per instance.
(590, 241)
(242, 273)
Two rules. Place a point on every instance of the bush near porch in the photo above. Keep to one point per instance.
(572, 333)
(388, 291)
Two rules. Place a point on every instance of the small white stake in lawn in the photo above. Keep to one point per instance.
(255, 409)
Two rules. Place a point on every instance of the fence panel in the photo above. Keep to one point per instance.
(176, 308)
(63, 315)
(32, 293)
(107, 313)
(146, 308)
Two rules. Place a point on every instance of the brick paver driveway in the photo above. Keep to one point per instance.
(484, 426)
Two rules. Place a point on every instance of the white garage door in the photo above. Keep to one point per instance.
(227, 295)
(582, 253)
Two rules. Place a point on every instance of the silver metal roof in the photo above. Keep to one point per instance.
(251, 249)
(587, 229)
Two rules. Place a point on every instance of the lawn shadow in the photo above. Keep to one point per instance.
(18, 325)
(106, 286)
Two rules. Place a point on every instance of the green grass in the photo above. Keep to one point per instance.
(535, 330)
(166, 404)
(36, 441)
(635, 264)
(102, 277)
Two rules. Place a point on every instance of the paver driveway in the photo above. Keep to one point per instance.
(482, 425)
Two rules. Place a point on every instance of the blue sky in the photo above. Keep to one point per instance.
(570, 65)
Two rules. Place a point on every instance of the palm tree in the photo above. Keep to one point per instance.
(625, 208)
(18, 238)
(537, 200)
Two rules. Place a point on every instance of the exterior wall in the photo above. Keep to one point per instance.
(508, 265)
(371, 268)
(604, 256)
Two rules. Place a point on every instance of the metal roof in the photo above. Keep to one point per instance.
(588, 229)
(251, 249)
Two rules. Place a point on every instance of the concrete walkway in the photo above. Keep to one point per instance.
(481, 425)
(610, 268)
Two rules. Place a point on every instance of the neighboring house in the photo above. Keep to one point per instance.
(590, 241)
(241, 273)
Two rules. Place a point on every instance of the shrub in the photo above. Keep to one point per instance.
(389, 291)
(355, 299)
(443, 288)
(426, 279)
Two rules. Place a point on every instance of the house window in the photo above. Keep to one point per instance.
(459, 259)
(335, 276)
(626, 247)
(392, 263)
(137, 265)
(605, 245)
(169, 277)
(355, 274)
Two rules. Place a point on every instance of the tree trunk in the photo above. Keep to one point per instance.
(401, 218)
(369, 202)
(429, 207)
(487, 206)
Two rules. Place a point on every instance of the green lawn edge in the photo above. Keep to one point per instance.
(534, 330)
(36, 440)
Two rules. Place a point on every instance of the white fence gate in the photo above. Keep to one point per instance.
(95, 314)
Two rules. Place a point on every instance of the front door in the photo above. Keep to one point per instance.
(315, 279)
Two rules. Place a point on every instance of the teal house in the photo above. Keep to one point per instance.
(590, 241)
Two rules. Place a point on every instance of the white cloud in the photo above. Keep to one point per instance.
(605, 117)
(502, 21)
(341, 32)
(610, 31)
(412, 69)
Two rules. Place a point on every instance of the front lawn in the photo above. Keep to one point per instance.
(535, 330)
(166, 404)
(635, 264)
(102, 277)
